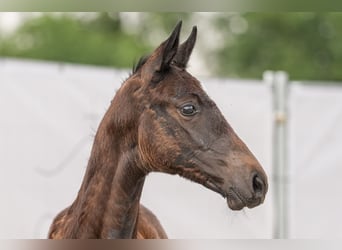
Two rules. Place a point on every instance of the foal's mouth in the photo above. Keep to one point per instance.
(234, 197)
(235, 200)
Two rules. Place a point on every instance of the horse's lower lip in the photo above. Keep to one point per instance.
(235, 205)
(235, 201)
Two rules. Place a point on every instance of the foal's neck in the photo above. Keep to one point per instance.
(122, 207)
(107, 205)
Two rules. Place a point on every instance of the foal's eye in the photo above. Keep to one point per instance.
(188, 110)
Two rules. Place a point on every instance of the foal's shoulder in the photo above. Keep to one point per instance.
(149, 226)
(55, 231)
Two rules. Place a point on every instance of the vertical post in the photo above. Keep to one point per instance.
(279, 82)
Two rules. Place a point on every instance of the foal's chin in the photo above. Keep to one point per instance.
(234, 201)
(238, 204)
(235, 204)
(236, 198)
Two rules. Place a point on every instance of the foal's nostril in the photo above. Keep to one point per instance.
(258, 185)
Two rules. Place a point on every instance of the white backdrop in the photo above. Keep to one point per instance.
(315, 161)
(50, 113)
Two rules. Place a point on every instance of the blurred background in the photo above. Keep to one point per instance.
(276, 77)
(306, 45)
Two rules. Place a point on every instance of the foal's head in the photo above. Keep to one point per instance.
(180, 130)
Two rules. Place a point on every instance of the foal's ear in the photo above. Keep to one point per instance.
(167, 50)
(185, 49)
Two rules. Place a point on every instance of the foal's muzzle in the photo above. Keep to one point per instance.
(249, 196)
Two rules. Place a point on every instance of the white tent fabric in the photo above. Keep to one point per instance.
(315, 153)
(50, 113)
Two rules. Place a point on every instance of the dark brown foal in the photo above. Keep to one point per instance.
(160, 120)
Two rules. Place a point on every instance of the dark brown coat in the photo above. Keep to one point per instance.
(160, 120)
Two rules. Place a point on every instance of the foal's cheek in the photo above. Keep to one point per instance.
(157, 147)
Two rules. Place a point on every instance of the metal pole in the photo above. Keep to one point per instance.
(279, 82)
